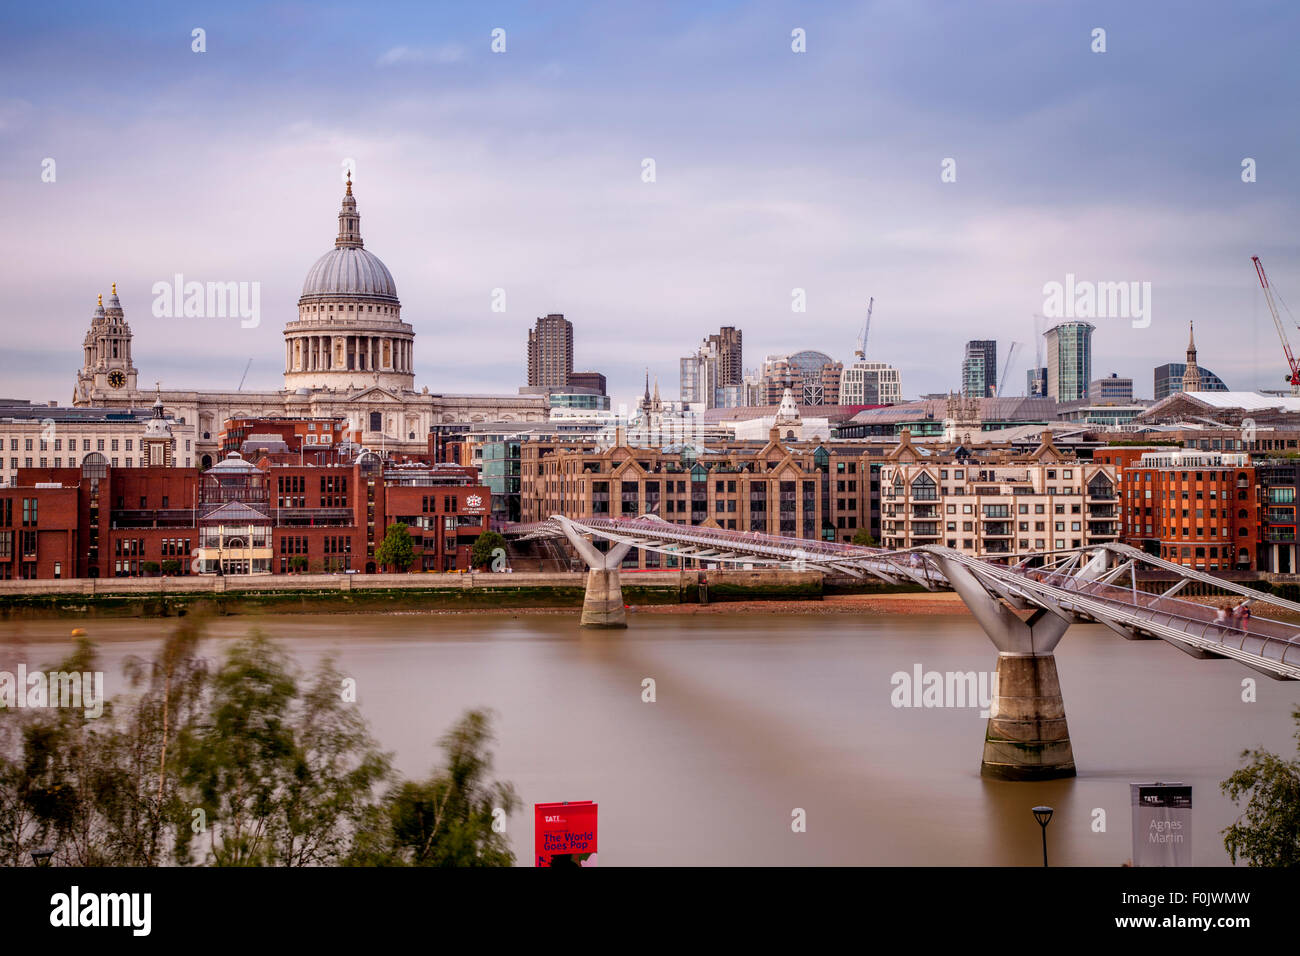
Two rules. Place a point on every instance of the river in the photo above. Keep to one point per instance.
(759, 714)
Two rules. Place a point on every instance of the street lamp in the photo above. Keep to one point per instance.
(1044, 816)
(42, 856)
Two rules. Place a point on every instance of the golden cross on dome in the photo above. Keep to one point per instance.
(101, 300)
(114, 288)
(349, 182)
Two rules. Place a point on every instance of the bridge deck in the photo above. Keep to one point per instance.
(1270, 646)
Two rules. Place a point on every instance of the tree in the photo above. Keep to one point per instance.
(171, 566)
(1268, 834)
(484, 545)
(151, 568)
(864, 539)
(298, 563)
(334, 770)
(248, 766)
(396, 550)
(235, 764)
(446, 820)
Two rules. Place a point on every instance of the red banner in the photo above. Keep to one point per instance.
(565, 833)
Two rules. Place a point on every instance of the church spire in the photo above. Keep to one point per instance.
(1191, 374)
(349, 222)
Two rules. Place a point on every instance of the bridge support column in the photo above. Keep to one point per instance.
(1027, 736)
(602, 605)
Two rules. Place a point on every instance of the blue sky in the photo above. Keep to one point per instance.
(775, 170)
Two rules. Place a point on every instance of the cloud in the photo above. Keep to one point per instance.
(402, 55)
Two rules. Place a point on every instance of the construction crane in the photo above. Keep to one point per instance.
(1006, 368)
(1292, 376)
(244, 376)
(861, 352)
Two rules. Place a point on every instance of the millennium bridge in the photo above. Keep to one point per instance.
(1024, 606)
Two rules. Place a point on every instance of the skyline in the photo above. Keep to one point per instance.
(522, 170)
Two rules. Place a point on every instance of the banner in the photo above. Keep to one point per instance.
(565, 833)
(1162, 824)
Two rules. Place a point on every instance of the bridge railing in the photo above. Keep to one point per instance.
(1260, 635)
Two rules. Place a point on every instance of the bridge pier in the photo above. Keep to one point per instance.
(602, 605)
(1027, 736)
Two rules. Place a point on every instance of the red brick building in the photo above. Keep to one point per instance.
(1196, 508)
(296, 433)
(237, 517)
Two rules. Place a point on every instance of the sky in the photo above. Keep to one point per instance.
(774, 170)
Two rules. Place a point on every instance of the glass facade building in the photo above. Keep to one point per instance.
(500, 472)
(1069, 360)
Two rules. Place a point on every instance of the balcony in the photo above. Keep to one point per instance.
(312, 517)
(1279, 535)
(153, 518)
(925, 511)
(925, 530)
(1096, 512)
(997, 529)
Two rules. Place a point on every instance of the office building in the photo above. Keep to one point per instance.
(979, 369)
(870, 383)
(1069, 360)
(1112, 390)
(550, 351)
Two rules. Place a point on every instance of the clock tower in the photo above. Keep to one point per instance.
(107, 366)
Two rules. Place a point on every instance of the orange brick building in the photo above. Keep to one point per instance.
(1200, 509)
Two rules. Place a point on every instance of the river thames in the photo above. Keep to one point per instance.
(759, 714)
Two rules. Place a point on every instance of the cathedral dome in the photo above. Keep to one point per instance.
(350, 271)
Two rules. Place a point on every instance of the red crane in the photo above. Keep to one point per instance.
(1293, 377)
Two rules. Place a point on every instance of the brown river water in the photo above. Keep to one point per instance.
(759, 714)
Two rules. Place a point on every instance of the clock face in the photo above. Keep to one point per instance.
(117, 378)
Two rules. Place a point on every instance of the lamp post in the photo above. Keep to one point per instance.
(41, 857)
(1044, 816)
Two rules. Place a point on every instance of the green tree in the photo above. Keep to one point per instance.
(298, 563)
(171, 566)
(864, 539)
(396, 550)
(447, 819)
(334, 769)
(284, 771)
(151, 568)
(1268, 833)
(235, 764)
(486, 543)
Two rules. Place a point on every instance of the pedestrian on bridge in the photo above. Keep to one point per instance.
(1221, 618)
